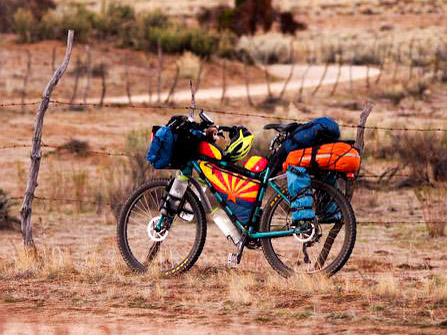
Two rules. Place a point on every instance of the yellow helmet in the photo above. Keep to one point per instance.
(240, 144)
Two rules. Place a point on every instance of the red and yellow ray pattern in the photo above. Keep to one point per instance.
(231, 184)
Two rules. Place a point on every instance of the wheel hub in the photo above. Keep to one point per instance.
(306, 236)
(153, 234)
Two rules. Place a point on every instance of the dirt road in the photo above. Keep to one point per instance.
(312, 78)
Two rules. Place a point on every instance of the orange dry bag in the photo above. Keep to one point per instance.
(339, 156)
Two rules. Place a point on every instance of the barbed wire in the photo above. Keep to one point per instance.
(223, 112)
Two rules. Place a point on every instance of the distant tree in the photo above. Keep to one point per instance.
(250, 14)
(289, 25)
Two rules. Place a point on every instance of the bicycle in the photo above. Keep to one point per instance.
(147, 238)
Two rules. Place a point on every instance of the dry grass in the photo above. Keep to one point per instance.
(434, 206)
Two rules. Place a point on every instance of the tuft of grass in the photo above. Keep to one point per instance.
(388, 286)
(239, 287)
(433, 200)
(435, 288)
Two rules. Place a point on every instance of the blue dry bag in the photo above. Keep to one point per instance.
(319, 131)
(161, 149)
(300, 193)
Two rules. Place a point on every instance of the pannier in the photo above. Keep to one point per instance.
(339, 156)
(174, 144)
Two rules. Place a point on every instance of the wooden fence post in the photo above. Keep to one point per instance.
(174, 85)
(36, 154)
(127, 79)
(292, 69)
(326, 66)
(247, 81)
(103, 74)
(26, 79)
(359, 144)
(224, 81)
(76, 83)
(89, 74)
(159, 69)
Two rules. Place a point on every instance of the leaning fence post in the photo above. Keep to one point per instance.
(36, 155)
(359, 143)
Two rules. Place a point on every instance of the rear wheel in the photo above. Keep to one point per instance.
(184, 242)
(332, 245)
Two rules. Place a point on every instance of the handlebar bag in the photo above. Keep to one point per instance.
(319, 131)
(174, 144)
(162, 148)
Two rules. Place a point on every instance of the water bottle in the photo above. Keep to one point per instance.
(227, 227)
(175, 195)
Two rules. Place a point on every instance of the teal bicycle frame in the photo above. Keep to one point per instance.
(265, 181)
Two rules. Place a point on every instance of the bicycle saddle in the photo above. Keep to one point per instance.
(282, 127)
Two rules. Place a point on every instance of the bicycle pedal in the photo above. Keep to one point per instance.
(232, 260)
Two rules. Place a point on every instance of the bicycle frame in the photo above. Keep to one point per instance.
(265, 181)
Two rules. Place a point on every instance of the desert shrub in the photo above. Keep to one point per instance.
(80, 186)
(227, 45)
(46, 28)
(394, 93)
(433, 200)
(114, 19)
(6, 220)
(24, 25)
(269, 48)
(220, 17)
(78, 18)
(122, 177)
(178, 40)
(9, 7)
(75, 147)
(417, 88)
(155, 18)
(189, 65)
(249, 15)
(425, 154)
(288, 24)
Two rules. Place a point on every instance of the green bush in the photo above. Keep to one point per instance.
(23, 25)
(48, 26)
(178, 40)
(80, 19)
(114, 19)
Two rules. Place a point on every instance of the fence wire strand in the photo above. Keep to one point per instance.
(218, 111)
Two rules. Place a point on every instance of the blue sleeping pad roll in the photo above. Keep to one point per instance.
(318, 131)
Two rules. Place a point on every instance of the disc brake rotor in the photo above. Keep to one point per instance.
(153, 234)
(305, 236)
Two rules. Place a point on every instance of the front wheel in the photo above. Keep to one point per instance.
(185, 239)
(332, 244)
